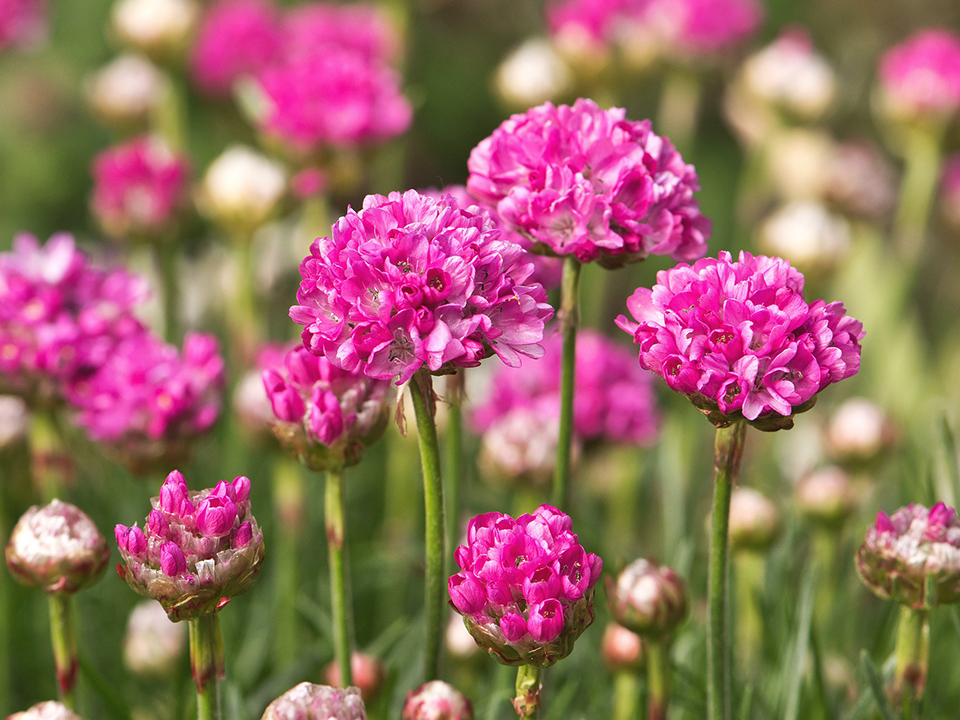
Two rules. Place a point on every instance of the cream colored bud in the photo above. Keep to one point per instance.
(14, 419)
(859, 431)
(159, 28)
(797, 162)
(826, 496)
(153, 644)
(532, 74)
(49, 710)
(754, 521)
(241, 190)
(126, 91)
(791, 76)
(459, 641)
(807, 234)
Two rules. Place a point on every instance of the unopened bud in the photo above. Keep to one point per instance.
(49, 710)
(368, 673)
(861, 181)
(649, 599)
(826, 497)
(797, 161)
(14, 418)
(621, 649)
(520, 448)
(754, 521)
(460, 643)
(125, 92)
(809, 236)
(859, 432)
(153, 644)
(436, 700)
(532, 74)
(307, 701)
(158, 28)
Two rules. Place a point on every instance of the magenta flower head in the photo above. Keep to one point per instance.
(49, 710)
(585, 25)
(237, 38)
(140, 189)
(197, 549)
(920, 78)
(323, 415)
(698, 28)
(250, 403)
(22, 23)
(647, 598)
(60, 316)
(436, 700)
(148, 402)
(317, 702)
(411, 282)
(913, 556)
(588, 182)
(315, 28)
(57, 548)
(525, 586)
(739, 340)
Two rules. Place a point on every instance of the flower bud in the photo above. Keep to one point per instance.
(649, 599)
(804, 232)
(621, 649)
(126, 92)
(797, 161)
(14, 419)
(160, 29)
(436, 700)
(459, 641)
(532, 74)
(368, 673)
(520, 448)
(307, 701)
(859, 432)
(57, 548)
(754, 521)
(153, 644)
(826, 497)
(861, 181)
(49, 710)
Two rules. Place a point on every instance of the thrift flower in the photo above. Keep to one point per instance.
(316, 28)
(152, 645)
(436, 700)
(621, 649)
(125, 92)
(694, 29)
(49, 710)
(368, 674)
(158, 28)
(739, 340)
(22, 22)
(410, 282)
(317, 702)
(197, 549)
(859, 432)
(755, 522)
(920, 78)
(241, 190)
(826, 497)
(649, 599)
(525, 588)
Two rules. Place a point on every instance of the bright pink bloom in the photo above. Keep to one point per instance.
(614, 401)
(60, 316)
(588, 182)
(525, 588)
(148, 403)
(700, 27)
(411, 282)
(237, 38)
(22, 22)
(139, 188)
(592, 20)
(316, 28)
(739, 340)
(921, 76)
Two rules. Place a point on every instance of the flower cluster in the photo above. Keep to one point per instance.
(317, 702)
(21, 22)
(48, 710)
(588, 182)
(410, 282)
(526, 586)
(913, 556)
(316, 28)
(436, 700)
(586, 23)
(739, 340)
(325, 415)
(648, 599)
(60, 316)
(147, 403)
(139, 188)
(921, 77)
(197, 549)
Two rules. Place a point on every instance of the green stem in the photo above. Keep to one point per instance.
(922, 155)
(749, 572)
(679, 107)
(453, 457)
(166, 258)
(339, 582)
(569, 319)
(421, 392)
(288, 498)
(63, 633)
(527, 700)
(728, 450)
(658, 679)
(243, 314)
(913, 649)
(626, 695)
(47, 459)
(206, 664)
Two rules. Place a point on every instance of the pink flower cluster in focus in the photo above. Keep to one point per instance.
(525, 588)
(614, 401)
(22, 22)
(740, 341)
(921, 76)
(410, 281)
(61, 317)
(588, 182)
(139, 188)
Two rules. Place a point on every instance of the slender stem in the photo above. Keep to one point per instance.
(243, 314)
(527, 700)
(63, 633)
(728, 450)
(206, 664)
(288, 498)
(47, 459)
(421, 391)
(626, 695)
(339, 581)
(922, 154)
(166, 258)
(913, 649)
(453, 457)
(658, 679)
(748, 576)
(679, 107)
(569, 319)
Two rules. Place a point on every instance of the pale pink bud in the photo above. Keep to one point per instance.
(368, 673)
(648, 599)
(317, 702)
(826, 496)
(754, 521)
(859, 432)
(49, 710)
(153, 643)
(621, 649)
(436, 700)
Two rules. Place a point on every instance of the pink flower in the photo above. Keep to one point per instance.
(139, 188)
(739, 340)
(411, 282)
(195, 554)
(588, 182)
(525, 588)
(591, 21)
(701, 27)
(316, 28)
(61, 317)
(436, 700)
(147, 403)
(236, 38)
(921, 76)
(22, 22)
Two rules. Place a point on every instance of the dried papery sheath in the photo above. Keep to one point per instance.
(649, 599)
(437, 700)
(317, 702)
(49, 710)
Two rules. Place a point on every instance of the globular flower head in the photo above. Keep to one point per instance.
(860, 180)
(859, 433)
(315, 28)
(57, 548)
(152, 645)
(622, 649)
(368, 674)
(139, 189)
(585, 27)
(125, 92)
(411, 282)
(913, 556)
(649, 599)
(808, 235)
(323, 415)
(317, 702)
(694, 29)
(519, 447)
(531, 74)
(436, 700)
(826, 497)
(525, 588)
(61, 317)
(148, 402)
(158, 28)
(197, 550)
(755, 522)
(920, 78)
(22, 22)
(588, 182)
(739, 340)
(49, 710)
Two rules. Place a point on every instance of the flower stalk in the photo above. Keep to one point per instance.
(658, 679)
(626, 695)
(529, 683)
(912, 653)
(207, 664)
(339, 582)
(288, 499)
(166, 256)
(63, 633)
(569, 320)
(922, 154)
(453, 452)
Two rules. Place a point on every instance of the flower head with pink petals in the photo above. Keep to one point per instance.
(921, 76)
(22, 22)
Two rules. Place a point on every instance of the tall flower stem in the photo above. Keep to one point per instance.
(243, 315)
(288, 499)
(421, 392)
(339, 582)
(453, 453)
(527, 700)
(922, 155)
(658, 679)
(206, 664)
(679, 107)
(47, 459)
(166, 259)
(63, 633)
(728, 449)
(569, 320)
(626, 695)
(913, 650)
